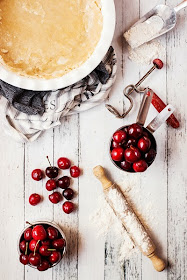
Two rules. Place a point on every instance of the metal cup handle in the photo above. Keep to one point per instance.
(160, 118)
(144, 107)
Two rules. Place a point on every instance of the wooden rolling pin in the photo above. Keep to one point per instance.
(130, 221)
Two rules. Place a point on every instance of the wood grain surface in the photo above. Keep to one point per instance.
(84, 139)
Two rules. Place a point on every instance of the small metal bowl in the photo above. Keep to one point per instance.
(153, 146)
(53, 224)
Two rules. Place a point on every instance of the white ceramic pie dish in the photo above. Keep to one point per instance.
(109, 19)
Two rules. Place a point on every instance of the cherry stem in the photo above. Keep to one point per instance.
(29, 223)
(52, 250)
(36, 247)
(49, 161)
(26, 248)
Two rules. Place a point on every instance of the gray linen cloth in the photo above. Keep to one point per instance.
(26, 114)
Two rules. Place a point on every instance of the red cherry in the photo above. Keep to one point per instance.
(34, 199)
(54, 257)
(158, 63)
(44, 251)
(34, 245)
(52, 233)
(75, 171)
(130, 142)
(22, 246)
(132, 154)
(125, 165)
(24, 259)
(46, 243)
(34, 259)
(51, 171)
(120, 136)
(135, 130)
(68, 193)
(63, 182)
(51, 185)
(64, 163)
(140, 166)
(55, 197)
(39, 233)
(117, 154)
(37, 174)
(43, 266)
(115, 144)
(28, 234)
(68, 207)
(144, 144)
(150, 156)
(59, 244)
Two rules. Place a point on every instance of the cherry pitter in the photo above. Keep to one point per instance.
(157, 64)
(133, 147)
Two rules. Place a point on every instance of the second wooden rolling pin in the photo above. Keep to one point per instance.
(130, 221)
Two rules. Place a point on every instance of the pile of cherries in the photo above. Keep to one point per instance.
(133, 148)
(41, 246)
(53, 183)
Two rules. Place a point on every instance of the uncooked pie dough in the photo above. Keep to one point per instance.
(48, 38)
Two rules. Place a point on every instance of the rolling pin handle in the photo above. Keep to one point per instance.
(99, 173)
(158, 263)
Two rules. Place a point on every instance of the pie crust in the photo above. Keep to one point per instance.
(48, 38)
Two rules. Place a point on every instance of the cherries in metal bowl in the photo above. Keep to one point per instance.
(41, 245)
(133, 148)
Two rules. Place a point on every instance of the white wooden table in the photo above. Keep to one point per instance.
(84, 139)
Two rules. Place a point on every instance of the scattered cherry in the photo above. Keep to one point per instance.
(144, 144)
(34, 199)
(52, 233)
(120, 136)
(39, 233)
(75, 171)
(22, 246)
(34, 245)
(55, 197)
(135, 130)
(68, 207)
(158, 63)
(59, 244)
(28, 234)
(117, 154)
(51, 185)
(64, 163)
(125, 165)
(115, 144)
(132, 154)
(34, 259)
(140, 166)
(63, 182)
(68, 193)
(150, 156)
(37, 174)
(45, 251)
(54, 257)
(43, 266)
(51, 171)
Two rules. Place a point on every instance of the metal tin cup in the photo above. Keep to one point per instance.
(152, 126)
(53, 224)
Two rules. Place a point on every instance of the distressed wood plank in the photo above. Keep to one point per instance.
(177, 151)
(11, 206)
(66, 144)
(35, 157)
